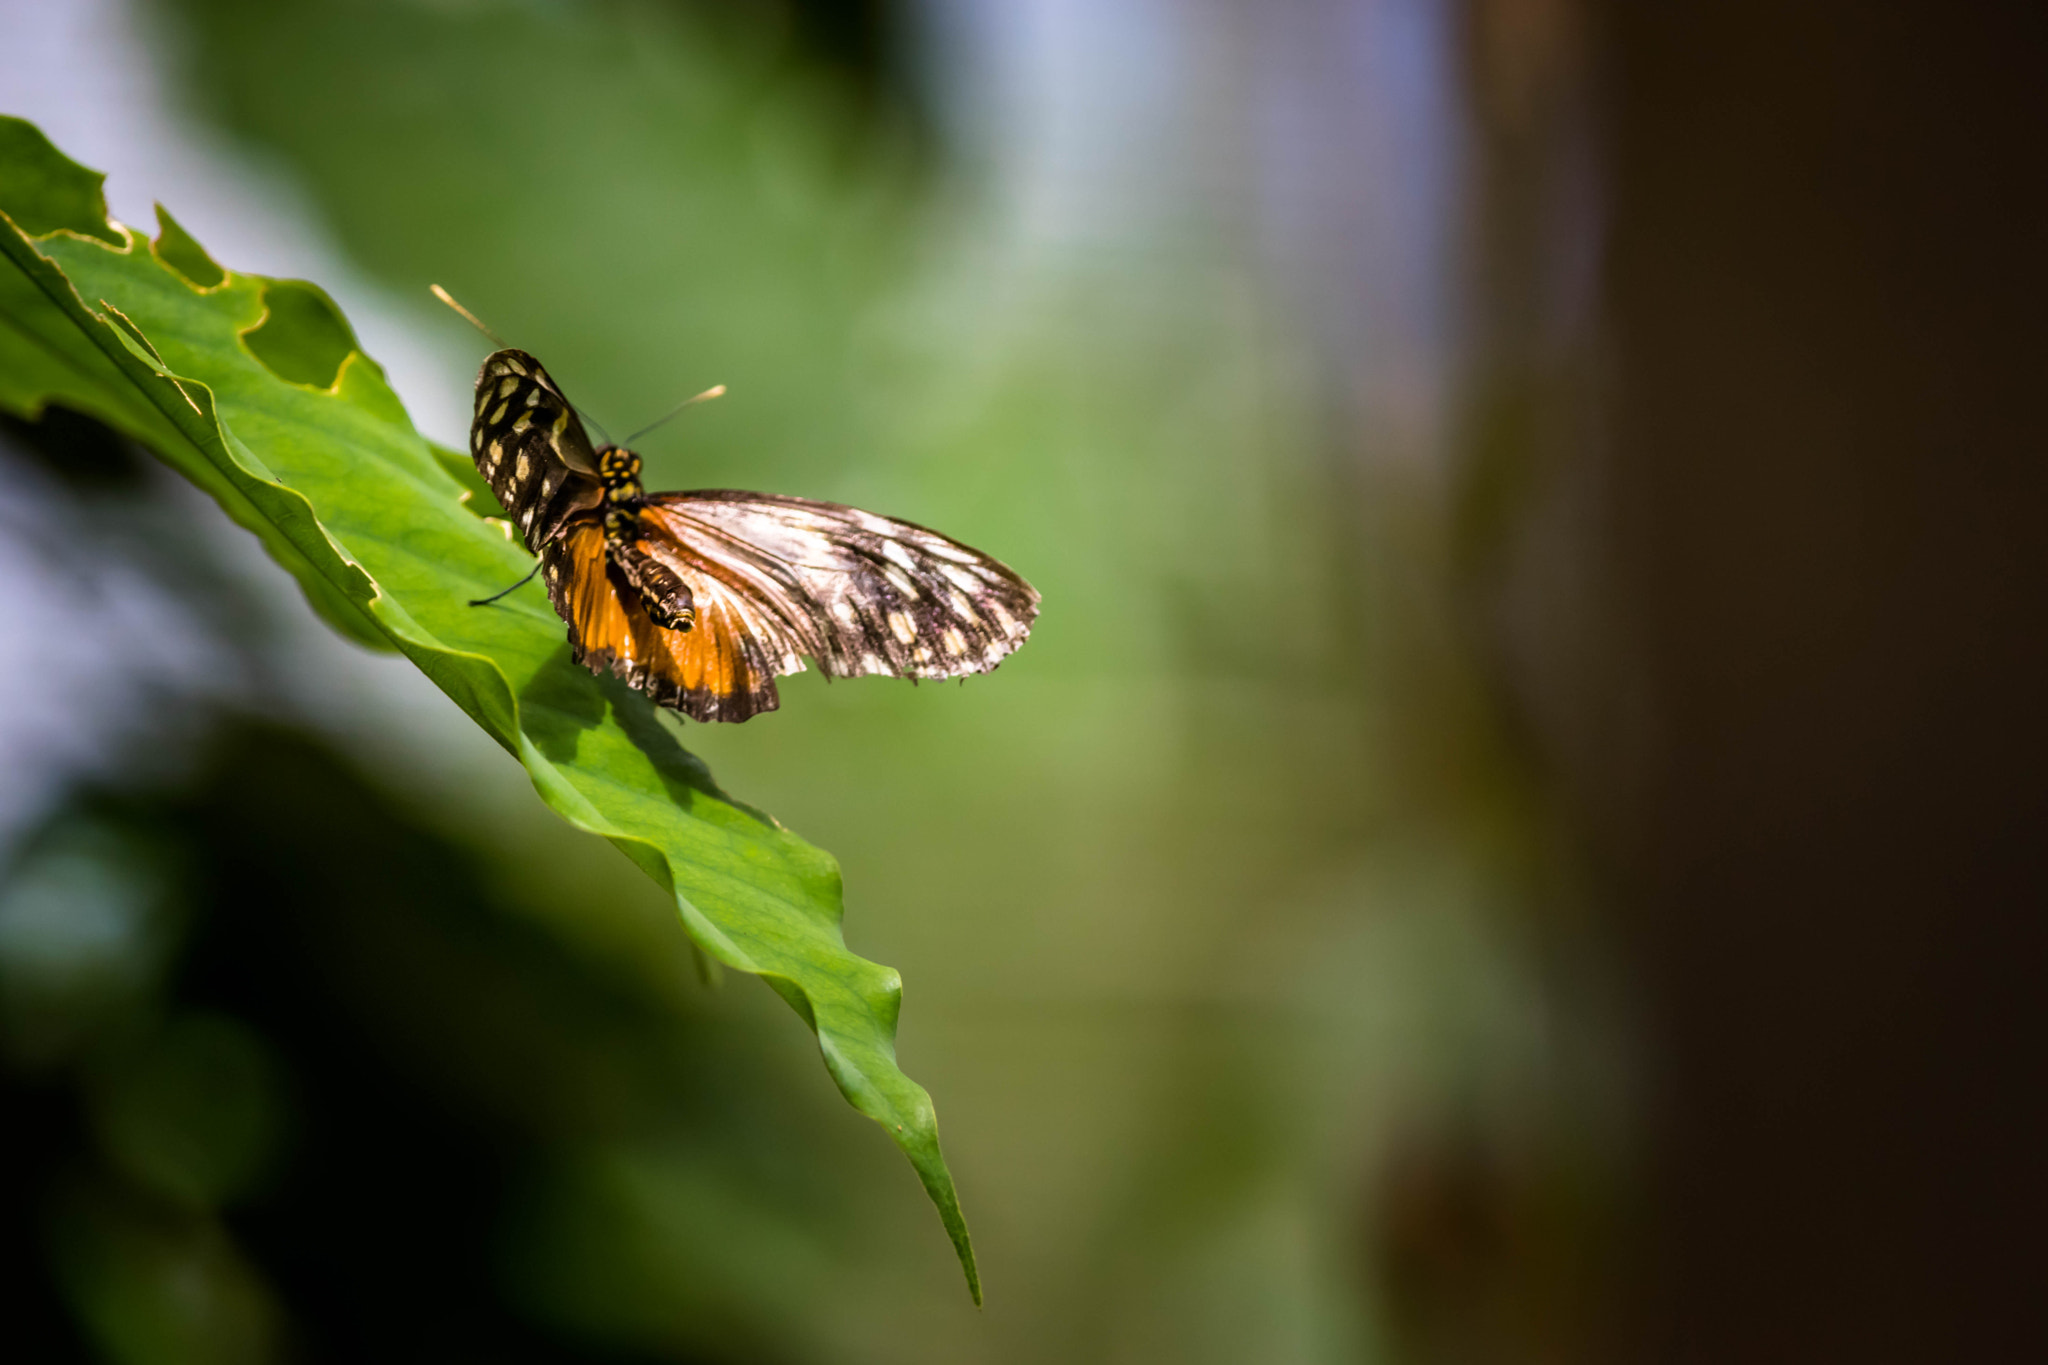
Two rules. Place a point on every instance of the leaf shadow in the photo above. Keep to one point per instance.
(557, 705)
(563, 700)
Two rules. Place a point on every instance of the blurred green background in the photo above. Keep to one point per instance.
(1249, 938)
(1212, 907)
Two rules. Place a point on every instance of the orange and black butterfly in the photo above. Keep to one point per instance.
(702, 599)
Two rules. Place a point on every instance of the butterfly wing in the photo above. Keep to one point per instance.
(771, 580)
(531, 448)
(858, 593)
(724, 668)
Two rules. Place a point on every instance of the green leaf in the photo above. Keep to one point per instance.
(45, 191)
(256, 390)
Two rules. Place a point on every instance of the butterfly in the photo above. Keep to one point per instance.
(702, 599)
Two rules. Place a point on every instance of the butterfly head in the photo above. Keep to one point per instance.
(619, 469)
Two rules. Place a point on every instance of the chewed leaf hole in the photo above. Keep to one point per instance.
(302, 338)
(175, 248)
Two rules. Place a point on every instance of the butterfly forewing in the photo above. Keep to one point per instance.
(859, 593)
(531, 448)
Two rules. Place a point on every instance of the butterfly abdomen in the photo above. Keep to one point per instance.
(661, 591)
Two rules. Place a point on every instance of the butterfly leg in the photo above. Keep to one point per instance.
(486, 601)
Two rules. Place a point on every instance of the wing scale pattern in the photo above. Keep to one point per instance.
(531, 448)
(859, 593)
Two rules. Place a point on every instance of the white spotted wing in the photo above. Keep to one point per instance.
(531, 448)
(857, 593)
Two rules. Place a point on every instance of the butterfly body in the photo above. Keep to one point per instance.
(663, 594)
(701, 599)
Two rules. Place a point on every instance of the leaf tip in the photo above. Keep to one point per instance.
(180, 253)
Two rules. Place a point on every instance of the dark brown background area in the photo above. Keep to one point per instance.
(1825, 458)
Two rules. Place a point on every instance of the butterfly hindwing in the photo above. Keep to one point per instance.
(530, 447)
(722, 669)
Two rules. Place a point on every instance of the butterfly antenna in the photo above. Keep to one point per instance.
(715, 391)
(470, 317)
(486, 601)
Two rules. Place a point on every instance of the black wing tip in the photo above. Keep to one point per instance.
(496, 365)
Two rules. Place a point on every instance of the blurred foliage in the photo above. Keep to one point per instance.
(346, 1089)
(652, 197)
